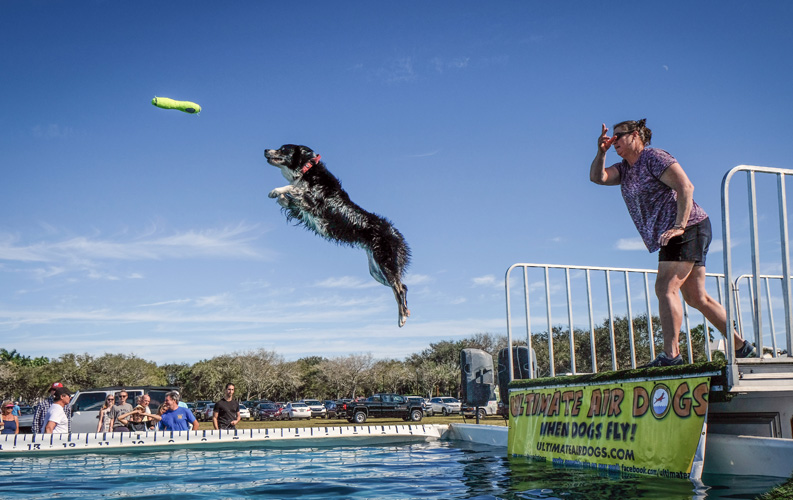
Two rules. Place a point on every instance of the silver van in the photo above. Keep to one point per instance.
(86, 404)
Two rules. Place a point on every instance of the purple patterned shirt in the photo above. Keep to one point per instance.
(651, 203)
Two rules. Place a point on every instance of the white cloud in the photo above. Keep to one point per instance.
(190, 338)
(167, 303)
(630, 244)
(346, 282)
(214, 300)
(417, 279)
(398, 70)
(441, 64)
(424, 155)
(488, 281)
(214, 242)
(51, 131)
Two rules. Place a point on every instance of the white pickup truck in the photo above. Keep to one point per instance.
(85, 404)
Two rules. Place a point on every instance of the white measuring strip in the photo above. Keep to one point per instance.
(127, 441)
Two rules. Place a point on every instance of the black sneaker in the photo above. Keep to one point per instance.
(747, 351)
(664, 360)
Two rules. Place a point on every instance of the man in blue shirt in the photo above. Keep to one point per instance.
(176, 418)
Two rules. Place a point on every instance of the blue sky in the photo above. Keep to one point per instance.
(125, 228)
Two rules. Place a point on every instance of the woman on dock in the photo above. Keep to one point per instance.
(660, 200)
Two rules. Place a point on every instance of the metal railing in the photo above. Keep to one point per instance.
(588, 317)
(756, 296)
(725, 286)
(757, 335)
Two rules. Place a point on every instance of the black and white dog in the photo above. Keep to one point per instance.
(314, 198)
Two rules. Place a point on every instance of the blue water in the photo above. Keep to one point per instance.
(436, 469)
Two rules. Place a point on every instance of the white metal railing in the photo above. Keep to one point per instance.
(756, 296)
(758, 337)
(725, 284)
(647, 276)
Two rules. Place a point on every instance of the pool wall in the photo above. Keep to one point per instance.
(357, 435)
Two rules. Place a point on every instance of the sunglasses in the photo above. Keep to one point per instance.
(618, 135)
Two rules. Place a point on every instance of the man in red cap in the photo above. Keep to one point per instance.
(56, 420)
(44, 406)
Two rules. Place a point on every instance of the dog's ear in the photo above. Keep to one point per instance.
(305, 153)
(300, 156)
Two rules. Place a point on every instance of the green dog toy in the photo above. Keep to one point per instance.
(186, 106)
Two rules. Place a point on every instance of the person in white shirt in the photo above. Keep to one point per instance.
(56, 421)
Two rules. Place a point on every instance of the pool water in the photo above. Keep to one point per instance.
(436, 469)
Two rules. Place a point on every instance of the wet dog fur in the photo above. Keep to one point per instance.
(315, 199)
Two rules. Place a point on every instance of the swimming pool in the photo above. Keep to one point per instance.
(433, 469)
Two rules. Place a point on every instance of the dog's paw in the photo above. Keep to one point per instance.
(275, 193)
(284, 200)
(403, 317)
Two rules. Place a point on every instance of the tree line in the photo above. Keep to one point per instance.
(264, 374)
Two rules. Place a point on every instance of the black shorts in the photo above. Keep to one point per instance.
(691, 246)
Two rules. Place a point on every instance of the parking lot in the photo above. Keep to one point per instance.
(324, 422)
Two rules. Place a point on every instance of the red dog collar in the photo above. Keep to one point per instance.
(310, 164)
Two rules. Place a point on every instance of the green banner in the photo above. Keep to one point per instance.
(650, 427)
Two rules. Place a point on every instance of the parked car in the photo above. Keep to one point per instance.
(445, 405)
(316, 406)
(200, 406)
(491, 408)
(245, 413)
(85, 405)
(425, 404)
(296, 410)
(331, 409)
(384, 405)
(26, 419)
(252, 404)
(208, 413)
(269, 411)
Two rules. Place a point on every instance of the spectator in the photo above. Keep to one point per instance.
(182, 404)
(135, 421)
(57, 422)
(105, 423)
(120, 408)
(157, 417)
(144, 401)
(44, 406)
(16, 409)
(226, 413)
(10, 421)
(176, 418)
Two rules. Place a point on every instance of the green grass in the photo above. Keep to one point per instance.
(782, 492)
(322, 422)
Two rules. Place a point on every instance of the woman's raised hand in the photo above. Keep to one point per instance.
(604, 141)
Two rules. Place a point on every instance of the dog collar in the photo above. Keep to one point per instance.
(310, 163)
